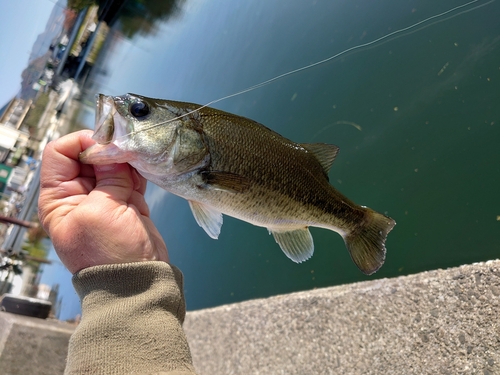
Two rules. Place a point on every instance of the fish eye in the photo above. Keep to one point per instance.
(139, 110)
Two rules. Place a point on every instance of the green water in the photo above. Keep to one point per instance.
(417, 120)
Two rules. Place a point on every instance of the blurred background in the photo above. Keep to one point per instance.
(416, 116)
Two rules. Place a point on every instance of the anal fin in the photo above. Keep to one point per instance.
(207, 218)
(297, 244)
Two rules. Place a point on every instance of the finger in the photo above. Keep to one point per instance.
(73, 144)
(137, 200)
(86, 170)
(60, 159)
(141, 182)
(61, 176)
(116, 180)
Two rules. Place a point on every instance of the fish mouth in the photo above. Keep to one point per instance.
(104, 119)
(110, 126)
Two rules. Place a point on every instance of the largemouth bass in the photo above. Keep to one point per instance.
(227, 164)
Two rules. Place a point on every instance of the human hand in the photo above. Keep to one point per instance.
(95, 214)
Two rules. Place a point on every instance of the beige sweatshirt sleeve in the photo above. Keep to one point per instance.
(132, 317)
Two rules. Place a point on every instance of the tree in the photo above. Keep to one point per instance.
(141, 16)
(34, 247)
(79, 5)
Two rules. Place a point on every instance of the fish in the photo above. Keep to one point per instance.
(224, 164)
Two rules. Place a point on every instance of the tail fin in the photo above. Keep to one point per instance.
(366, 243)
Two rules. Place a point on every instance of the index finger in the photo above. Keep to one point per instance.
(60, 159)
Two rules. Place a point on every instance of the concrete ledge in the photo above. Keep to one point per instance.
(32, 346)
(437, 322)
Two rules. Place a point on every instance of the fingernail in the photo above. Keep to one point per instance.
(105, 167)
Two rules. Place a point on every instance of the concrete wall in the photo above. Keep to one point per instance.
(32, 345)
(438, 322)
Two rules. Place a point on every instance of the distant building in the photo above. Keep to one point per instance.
(14, 141)
(14, 112)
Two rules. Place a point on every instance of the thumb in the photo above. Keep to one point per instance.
(117, 180)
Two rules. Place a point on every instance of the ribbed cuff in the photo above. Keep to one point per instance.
(131, 321)
(127, 280)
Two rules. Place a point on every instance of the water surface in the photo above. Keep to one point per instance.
(417, 120)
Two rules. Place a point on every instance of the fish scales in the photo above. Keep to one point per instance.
(280, 172)
(227, 164)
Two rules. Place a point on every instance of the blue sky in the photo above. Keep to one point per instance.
(56, 273)
(20, 23)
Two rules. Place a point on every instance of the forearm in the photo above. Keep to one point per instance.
(131, 321)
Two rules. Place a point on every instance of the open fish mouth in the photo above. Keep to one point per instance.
(109, 127)
(104, 119)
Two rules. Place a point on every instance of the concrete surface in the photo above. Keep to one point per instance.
(32, 346)
(437, 322)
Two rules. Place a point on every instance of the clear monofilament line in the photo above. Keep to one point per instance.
(372, 43)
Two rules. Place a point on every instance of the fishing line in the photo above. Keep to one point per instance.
(384, 39)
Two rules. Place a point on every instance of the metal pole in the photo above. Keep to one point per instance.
(22, 223)
(14, 240)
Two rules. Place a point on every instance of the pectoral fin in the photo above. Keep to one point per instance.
(207, 218)
(296, 244)
(227, 181)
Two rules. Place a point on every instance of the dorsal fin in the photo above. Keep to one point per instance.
(325, 153)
